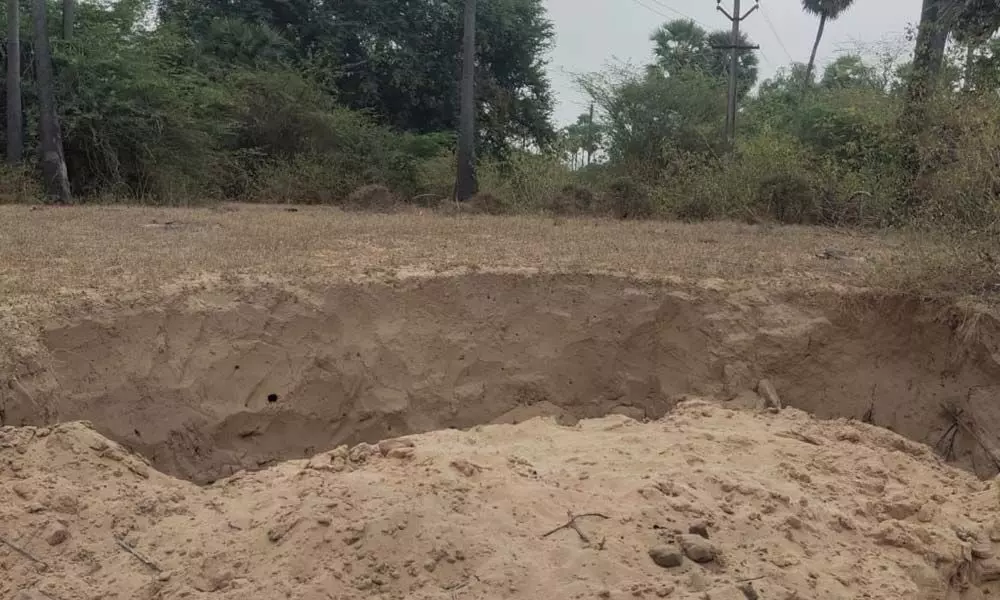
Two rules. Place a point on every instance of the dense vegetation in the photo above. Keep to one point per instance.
(187, 101)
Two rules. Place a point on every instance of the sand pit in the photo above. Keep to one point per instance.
(210, 383)
(276, 407)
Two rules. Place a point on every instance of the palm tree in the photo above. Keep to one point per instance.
(466, 185)
(14, 113)
(826, 10)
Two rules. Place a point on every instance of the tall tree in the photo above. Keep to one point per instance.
(15, 133)
(466, 185)
(68, 18)
(682, 45)
(399, 60)
(53, 161)
(826, 10)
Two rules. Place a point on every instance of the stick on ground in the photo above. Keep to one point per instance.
(23, 553)
(124, 546)
(571, 524)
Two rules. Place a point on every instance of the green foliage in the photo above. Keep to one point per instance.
(682, 47)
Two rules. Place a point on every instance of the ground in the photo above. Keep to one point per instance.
(240, 365)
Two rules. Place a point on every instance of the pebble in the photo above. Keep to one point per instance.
(699, 528)
(697, 548)
(57, 534)
(667, 557)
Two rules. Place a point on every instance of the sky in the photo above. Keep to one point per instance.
(591, 35)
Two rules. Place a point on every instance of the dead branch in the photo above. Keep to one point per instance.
(145, 561)
(571, 524)
(23, 553)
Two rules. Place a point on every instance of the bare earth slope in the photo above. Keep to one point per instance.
(794, 507)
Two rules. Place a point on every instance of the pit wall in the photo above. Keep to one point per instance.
(210, 383)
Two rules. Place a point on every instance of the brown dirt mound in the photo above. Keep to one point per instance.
(209, 383)
(792, 507)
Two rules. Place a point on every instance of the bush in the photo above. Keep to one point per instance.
(629, 199)
(788, 198)
(573, 199)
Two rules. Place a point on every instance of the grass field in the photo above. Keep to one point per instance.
(51, 251)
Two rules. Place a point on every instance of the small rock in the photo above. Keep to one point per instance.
(361, 452)
(927, 512)
(664, 590)
(667, 557)
(22, 490)
(988, 570)
(699, 528)
(401, 453)
(749, 592)
(387, 446)
(57, 534)
(770, 395)
(164, 576)
(793, 522)
(697, 548)
(982, 551)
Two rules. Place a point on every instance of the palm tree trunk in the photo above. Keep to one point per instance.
(53, 163)
(15, 133)
(466, 185)
(69, 18)
(812, 57)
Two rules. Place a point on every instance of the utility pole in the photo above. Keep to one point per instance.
(734, 46)
(466, 185)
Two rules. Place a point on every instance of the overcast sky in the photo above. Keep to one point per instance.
(590, 35)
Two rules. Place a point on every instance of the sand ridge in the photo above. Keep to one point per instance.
(792, 507)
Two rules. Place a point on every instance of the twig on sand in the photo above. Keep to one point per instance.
(127, 548)
(571, 524)
(23, 553)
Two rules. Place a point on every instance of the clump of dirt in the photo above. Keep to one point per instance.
(708, 502)
(208, 383)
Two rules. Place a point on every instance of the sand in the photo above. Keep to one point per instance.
(792, 507)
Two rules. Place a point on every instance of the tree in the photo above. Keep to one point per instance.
(682, 45)
(466, 185)
(826, 10)
(68, 18)
(15, 134)
(399, 59)
(850, 71)
(53, 161)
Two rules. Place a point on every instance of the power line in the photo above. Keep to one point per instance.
(673, 10)
(781, 43)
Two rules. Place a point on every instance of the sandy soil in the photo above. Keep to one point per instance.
(791, 507)
(259, 351)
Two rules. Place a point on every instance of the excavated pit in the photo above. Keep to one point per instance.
(211, 383)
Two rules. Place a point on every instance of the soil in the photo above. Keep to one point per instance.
(792, 507)
(258, 426)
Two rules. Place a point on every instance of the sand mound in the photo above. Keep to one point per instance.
(792, 507)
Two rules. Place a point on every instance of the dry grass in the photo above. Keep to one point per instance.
(102, 251)
(117, 249)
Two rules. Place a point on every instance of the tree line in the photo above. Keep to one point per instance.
(183, 101)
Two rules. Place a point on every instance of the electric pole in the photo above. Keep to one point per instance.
(466, 185)
(735, 47)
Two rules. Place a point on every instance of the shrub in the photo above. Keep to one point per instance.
(573, 199)
(629, 199)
